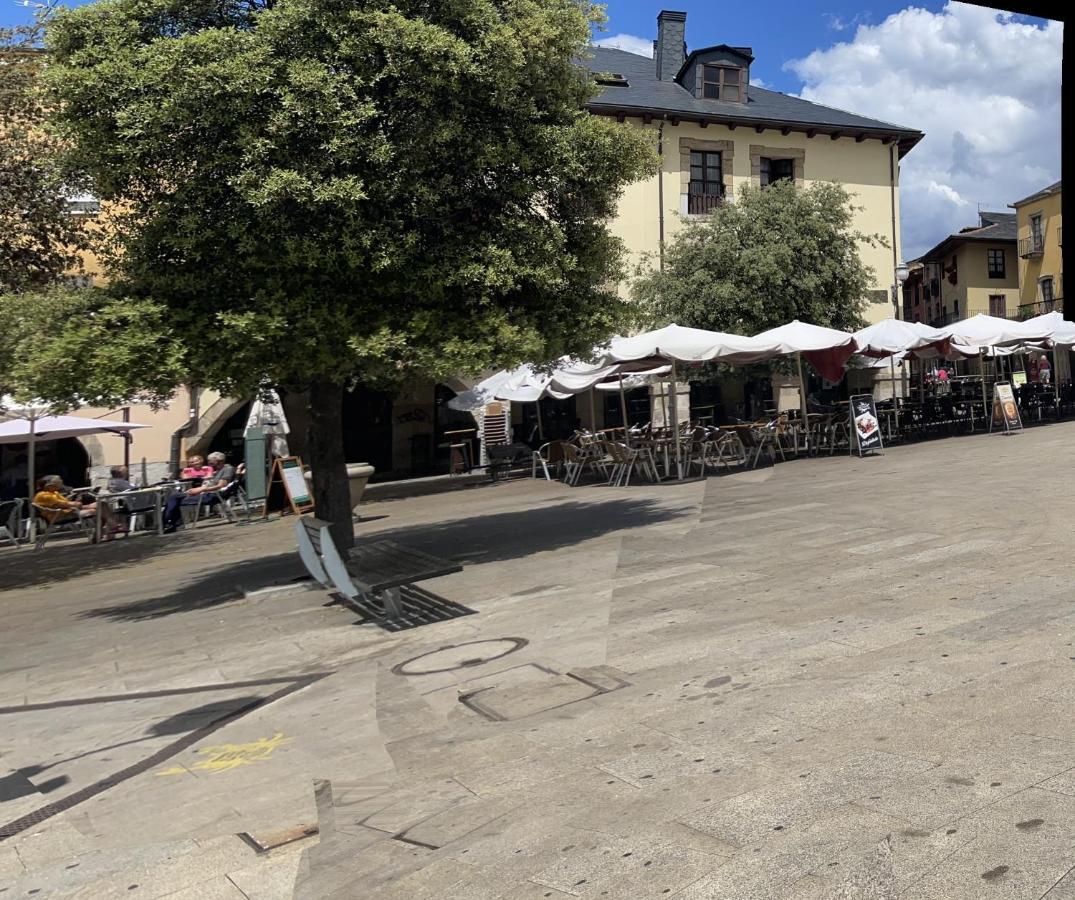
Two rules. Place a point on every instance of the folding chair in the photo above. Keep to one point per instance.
(10, 521)
(65, 521)
(550, 454)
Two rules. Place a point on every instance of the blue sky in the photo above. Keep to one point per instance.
(983, 86)
(790, 29)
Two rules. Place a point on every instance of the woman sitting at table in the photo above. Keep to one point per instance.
(55, 507)
(196, 468)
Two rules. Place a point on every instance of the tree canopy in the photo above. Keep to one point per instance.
(776, 254)
(39, 240)
(317, 190)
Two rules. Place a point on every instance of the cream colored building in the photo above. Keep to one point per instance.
(1041, 262)
(717, 132)
(972, 272)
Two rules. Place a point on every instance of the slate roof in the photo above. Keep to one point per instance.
(1003, 228)
(1040, 195)
(646, 93)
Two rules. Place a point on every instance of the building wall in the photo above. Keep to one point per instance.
(970, 295)
(864, 168)
(1051, 262)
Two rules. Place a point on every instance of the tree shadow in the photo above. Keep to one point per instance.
(60, 561)
(468, 539)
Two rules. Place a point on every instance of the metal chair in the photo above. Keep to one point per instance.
(55, 520)
(10, 521)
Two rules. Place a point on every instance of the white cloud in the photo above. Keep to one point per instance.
(985, 89)
(629, 42)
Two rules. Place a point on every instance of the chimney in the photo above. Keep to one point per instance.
(670, 48)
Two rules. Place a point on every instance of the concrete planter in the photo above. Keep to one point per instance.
(357, 476)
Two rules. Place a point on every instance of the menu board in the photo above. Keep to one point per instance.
(865, 426)
(287, 476)
(1005, 409)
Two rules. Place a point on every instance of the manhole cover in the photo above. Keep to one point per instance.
(459, 656)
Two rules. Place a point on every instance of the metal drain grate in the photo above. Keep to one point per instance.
(83, 794)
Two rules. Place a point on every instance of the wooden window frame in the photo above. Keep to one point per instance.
(766, 170)
(722, 86)
(998, 305)
(992, 254)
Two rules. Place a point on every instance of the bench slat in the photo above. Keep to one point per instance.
(386, 564)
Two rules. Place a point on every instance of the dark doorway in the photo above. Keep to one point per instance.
(558, 421)
(229, 436)
(65, 457)
(638, 407)
(367, 428)
(446, 419)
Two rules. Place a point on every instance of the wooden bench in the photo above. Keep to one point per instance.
(374, 571)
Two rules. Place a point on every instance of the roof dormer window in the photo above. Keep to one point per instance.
(722, 83)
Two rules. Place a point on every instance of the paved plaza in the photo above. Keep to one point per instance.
(832, 678)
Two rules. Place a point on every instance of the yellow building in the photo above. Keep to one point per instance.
(717, 132)
(1041, 263)
(972, 272)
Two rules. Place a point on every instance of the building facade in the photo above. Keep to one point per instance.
(716, 132)
(971, 272)
(1041, 262)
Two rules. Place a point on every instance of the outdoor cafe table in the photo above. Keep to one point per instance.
(157, 491)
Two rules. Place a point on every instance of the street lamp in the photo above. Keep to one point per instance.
(902, 273)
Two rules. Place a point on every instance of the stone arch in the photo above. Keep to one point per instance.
(197, 440)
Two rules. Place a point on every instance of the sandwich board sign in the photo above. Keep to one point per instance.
(1005, 409)
(865, 426)
(287, 475)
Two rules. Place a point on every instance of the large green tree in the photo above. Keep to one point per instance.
(326, 190)
(39, 239)
(776, 254)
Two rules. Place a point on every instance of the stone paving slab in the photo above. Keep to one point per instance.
(774, 684)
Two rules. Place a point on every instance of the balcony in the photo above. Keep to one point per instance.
(702, 204)
(1032, 246)
(1029, 310)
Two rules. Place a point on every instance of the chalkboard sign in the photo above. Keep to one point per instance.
(865, 426)
(1005, 409)
(287, 472)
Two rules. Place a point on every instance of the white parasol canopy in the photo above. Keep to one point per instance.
(982, 331)
(34, 424)
(267, 413)
(892, 336)
(1061, 331)
(675, 342)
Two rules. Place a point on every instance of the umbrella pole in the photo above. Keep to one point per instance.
(623, 412)
(802, 400)
(593, 411)
(981, 368)
(675, 423)
(895, 403)
(31, 458)
(541, 428)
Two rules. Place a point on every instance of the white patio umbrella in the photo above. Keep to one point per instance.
(267, 413)
(982, 331)
(893, 338)
(826, 348)
(33, 423)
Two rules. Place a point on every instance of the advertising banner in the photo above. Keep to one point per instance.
(865, 425)
(1005, 409)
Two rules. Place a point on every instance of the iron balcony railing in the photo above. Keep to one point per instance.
(1029, 310)
(1031, 246)
(703, 204)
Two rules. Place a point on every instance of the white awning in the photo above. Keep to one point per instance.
(51, 428)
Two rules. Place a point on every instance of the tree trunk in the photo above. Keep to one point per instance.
(324, 445)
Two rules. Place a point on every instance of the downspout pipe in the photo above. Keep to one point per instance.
(892, 165)
(660, 191)
(194, 413)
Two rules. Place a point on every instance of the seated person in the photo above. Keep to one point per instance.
(196, 468)
(221, 475)
(55, 507)
(120, 480)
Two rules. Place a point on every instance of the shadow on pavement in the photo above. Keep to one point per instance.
(471, 540)
(510, 535)
(70, 558)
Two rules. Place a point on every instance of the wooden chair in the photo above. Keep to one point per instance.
(373, 571)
